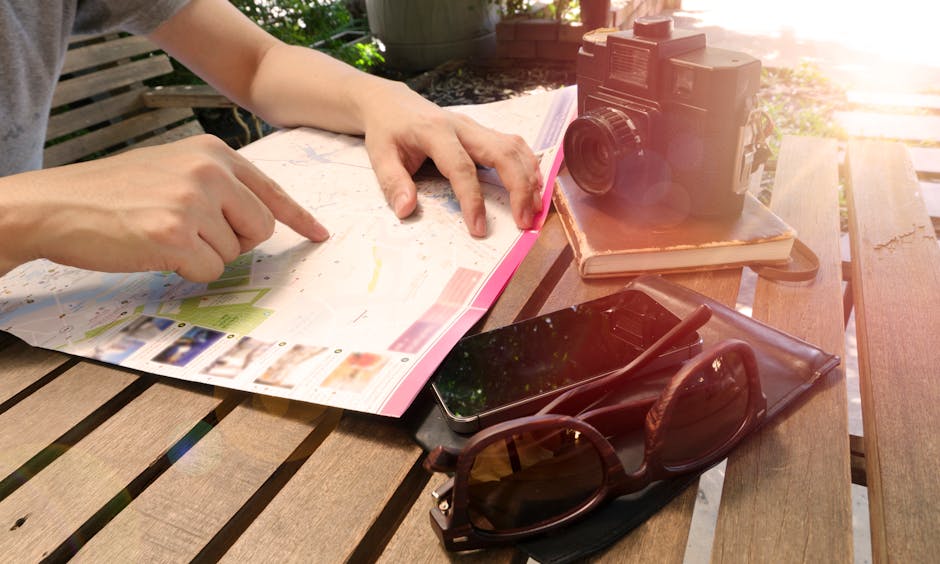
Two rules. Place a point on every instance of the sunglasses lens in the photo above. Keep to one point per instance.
(710, 408)
(531, 477)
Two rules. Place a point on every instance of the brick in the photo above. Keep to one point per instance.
(570, 33)
(515, 49)
(556, 51)
(506, 29)
(537, 30)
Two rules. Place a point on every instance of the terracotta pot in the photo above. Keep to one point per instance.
(421, 34)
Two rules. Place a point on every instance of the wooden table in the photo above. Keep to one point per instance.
(102, 464)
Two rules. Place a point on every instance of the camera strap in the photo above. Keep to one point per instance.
(802, 265)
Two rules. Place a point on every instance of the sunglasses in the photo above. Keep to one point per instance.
(537, 473)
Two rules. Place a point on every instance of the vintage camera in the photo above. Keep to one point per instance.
(663, 119)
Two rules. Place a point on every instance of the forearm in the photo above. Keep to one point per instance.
(329, 94)
(17, 225)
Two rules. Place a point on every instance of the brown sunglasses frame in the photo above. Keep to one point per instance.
(450, 518)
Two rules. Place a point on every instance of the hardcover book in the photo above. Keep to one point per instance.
(611, 236)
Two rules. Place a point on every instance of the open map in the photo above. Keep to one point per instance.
(359, 321)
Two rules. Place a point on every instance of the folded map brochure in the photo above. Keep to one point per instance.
(610, 237)
(359, 321)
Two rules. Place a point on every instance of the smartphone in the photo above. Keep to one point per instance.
(517, 369)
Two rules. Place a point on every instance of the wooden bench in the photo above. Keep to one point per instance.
(101, 104)
(105, 464)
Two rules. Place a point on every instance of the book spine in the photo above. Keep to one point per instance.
(565, 217)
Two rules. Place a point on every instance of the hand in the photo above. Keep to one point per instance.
(290, 86)
(402, 129)
(189, 206)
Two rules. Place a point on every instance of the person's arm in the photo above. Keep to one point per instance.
(189, 207)
(290, 86)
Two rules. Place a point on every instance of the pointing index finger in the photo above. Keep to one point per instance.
(284, 208)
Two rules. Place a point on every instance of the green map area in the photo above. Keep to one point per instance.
(232, 312)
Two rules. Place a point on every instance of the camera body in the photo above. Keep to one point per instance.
(663, 119)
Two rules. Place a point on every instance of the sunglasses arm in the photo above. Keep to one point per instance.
(584, 397)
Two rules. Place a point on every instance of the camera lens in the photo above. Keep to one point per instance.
(602, 148)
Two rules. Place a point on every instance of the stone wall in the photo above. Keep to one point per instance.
(544, 39)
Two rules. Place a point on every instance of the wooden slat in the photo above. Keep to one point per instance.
(109, 73)
(785, 499)
(926, 160)
(76, 39)
(34, 423)
(329, 505)
(896, 282)
(92, 114)
(572, 289)
(190, 96)
(894, 100)
(531, 275)
(187, 129)
(661, 538)
(188, 505)
(890, 126)
(44, 512)
(23, 365)
(107, 137)
(109, 51)
(88, 85)
(857, 448)
(930, 192)
(415, 541)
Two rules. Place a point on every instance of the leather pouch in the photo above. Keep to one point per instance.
(788, 367)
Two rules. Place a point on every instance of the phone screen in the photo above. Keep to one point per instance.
(530, 361)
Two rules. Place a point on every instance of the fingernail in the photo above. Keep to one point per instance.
(537, 200)
(401, 200)
(480, 226)
(527, 216)
(320, 233)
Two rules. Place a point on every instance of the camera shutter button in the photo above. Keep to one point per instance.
(653, 26)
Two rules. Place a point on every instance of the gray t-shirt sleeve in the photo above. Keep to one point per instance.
(133, 16)
(33, 39)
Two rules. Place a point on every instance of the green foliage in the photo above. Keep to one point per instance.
(564, 10)
(509, 8)
(365, 56)
(314, 23)
(801, 101)
(298, 22)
